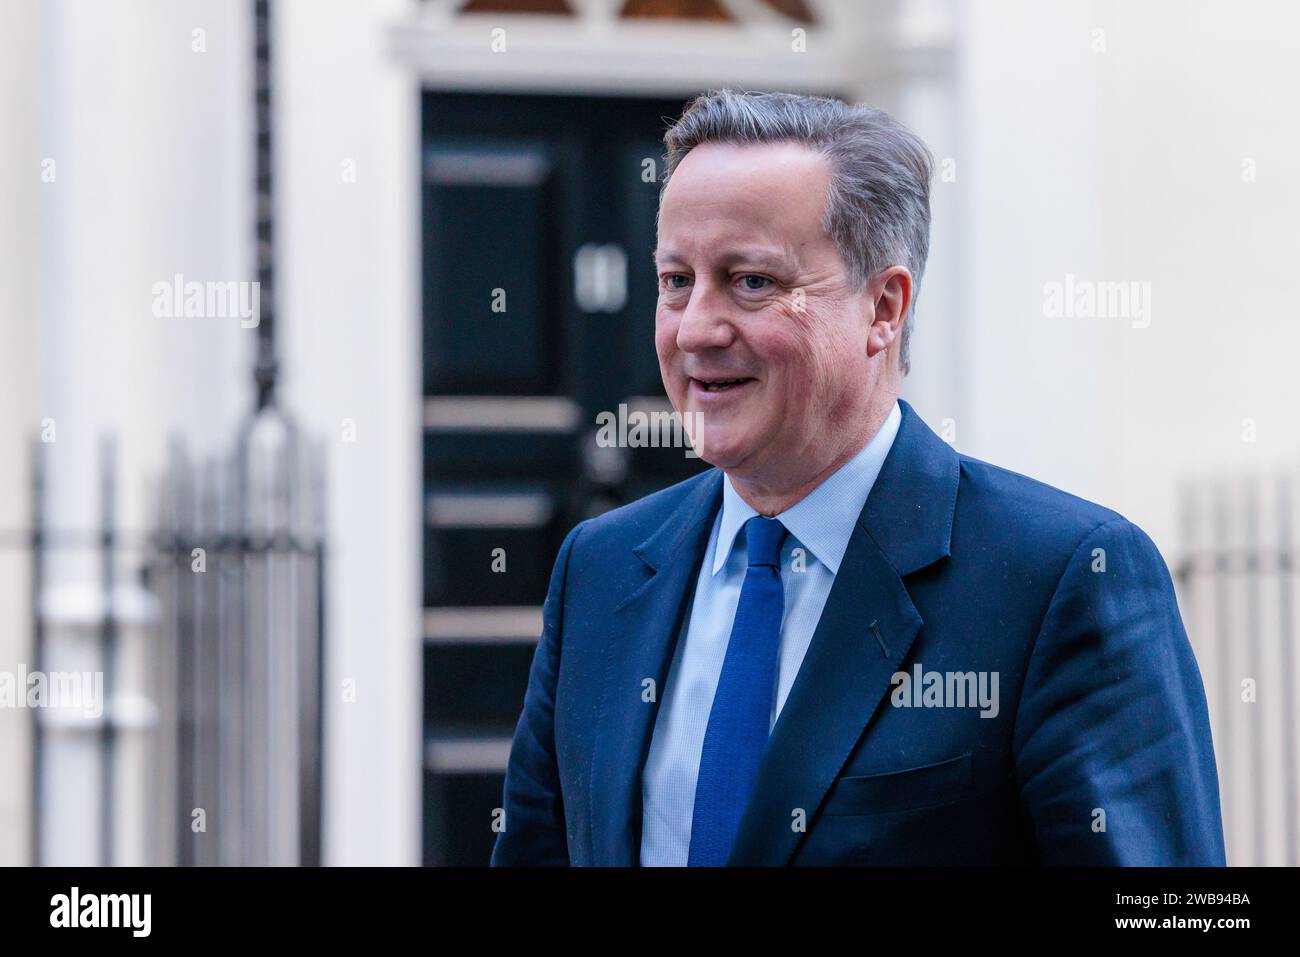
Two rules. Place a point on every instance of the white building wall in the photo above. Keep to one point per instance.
(348, 178)
(142, 140)
(1188, 100)
(19, 408)
(1027, 177)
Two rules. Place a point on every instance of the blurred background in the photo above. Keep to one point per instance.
(304, 537)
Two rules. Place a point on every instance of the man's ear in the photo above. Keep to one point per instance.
(890, 291)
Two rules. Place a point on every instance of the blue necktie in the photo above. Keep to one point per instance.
(740, 718)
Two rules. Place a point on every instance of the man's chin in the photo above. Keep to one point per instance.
(724, 452)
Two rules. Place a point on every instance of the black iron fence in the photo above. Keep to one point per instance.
(203, 641)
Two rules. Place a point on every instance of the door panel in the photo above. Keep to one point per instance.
(492, 252)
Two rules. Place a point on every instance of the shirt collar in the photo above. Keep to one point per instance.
(822, 521)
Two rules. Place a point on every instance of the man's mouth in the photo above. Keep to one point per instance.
(720, 385)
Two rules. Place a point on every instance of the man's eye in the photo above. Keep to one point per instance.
(754, 282)
(670, 281)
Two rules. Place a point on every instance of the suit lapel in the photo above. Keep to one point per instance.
(865, 632)
(643, 630)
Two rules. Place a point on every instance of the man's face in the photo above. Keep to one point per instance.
(752, 288)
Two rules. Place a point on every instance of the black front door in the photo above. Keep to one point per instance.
(538, 315)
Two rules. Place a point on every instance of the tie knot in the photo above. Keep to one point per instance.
(763, 538)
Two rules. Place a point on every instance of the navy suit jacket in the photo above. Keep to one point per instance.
(1100, 751)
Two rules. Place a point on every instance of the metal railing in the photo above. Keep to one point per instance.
(207, 633)
(239, 572)
(1238, 583)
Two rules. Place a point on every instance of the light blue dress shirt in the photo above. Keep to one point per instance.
(820, 525)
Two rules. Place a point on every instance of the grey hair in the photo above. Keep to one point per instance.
(878, 202)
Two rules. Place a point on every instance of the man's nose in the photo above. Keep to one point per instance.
(706, 321)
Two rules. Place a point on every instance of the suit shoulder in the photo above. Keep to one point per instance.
(998, 497)
(642, 517)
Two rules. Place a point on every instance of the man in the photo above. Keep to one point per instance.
(847, 643)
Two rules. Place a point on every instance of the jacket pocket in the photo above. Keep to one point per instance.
(909, 789)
